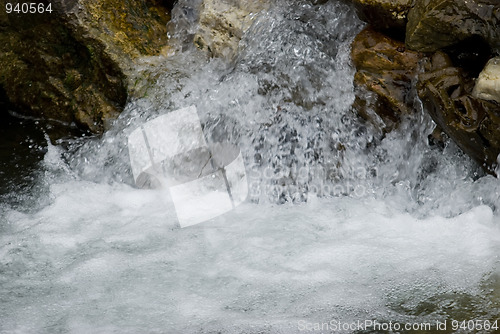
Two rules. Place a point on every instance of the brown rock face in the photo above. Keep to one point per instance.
(473, 124)
(469, 32)
(436, 24)
(384, 14)
(74, 64)
(385, 68)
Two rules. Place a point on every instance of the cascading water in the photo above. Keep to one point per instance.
(340, 224)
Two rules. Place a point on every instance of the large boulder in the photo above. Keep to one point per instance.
(436, 24)
(488, 84)
(222, 23)
(384, 14)
(385, 68)
(474, 124)
(75, 64)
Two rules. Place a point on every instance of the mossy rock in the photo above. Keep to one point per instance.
(436, 24)
(384, 15)
(76, 63)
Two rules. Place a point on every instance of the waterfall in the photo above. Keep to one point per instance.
(341, 224)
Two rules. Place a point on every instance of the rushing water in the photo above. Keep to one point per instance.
(340, 224)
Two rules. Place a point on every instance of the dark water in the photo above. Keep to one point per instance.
(22, 147)
(23, 144)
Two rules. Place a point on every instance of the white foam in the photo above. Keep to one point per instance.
(102, 255)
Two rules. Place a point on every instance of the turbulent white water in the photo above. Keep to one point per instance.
(339, 225)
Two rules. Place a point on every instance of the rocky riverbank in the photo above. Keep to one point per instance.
(448, 50)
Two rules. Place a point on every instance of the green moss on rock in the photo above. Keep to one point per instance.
(436, 24)
(75, 64)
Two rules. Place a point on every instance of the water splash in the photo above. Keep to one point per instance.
(369, 227)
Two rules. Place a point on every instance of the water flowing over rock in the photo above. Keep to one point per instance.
(386, 68)
(222, 24)
(467, 34)
(75, 64)
(436, 24)
(488, 84)
(471, 122)
(384, 14)
(339, 227)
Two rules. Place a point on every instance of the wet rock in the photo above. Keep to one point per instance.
(437, 138)
(471, 55)
(436, 24)
(385, 68)
(488, 83)
(75, 64)
(474, 124)
(384, 14)
(222, 24)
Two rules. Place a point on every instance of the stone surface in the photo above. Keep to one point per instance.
(74, 64)
(488, 83)
(386, 69)
(384, 14)
(474, 124)
(436, 24)
(222, 24)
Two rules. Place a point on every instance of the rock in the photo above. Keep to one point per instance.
(436, 24)
(488, 83)
(222, 24)
(128, 29)
(471, 55)
(384, 14)
(385, 68)
(74, 64)
(473, 124)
